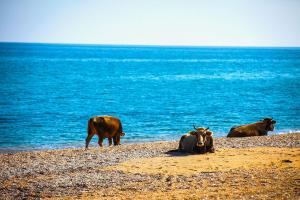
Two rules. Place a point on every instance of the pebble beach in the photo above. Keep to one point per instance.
(266, 167)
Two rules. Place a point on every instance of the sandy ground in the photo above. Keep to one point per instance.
(241, 168)
(222, 160)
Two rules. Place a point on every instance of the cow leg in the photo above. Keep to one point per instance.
(90, 133)
(116, 140)
(87, 140)
(100, 141)
(109, 141)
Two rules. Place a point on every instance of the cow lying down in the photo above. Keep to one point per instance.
(256, 129)
(198, 141)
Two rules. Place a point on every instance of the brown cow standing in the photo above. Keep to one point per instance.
(256, 129)
(105, 127)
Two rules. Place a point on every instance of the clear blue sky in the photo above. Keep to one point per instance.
(160, 22)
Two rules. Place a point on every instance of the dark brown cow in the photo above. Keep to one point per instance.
(105, 127)
(256, 129)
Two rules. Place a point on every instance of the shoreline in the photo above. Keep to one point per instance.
(18, 149)
(265, 167)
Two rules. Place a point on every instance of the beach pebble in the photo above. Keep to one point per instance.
(56, 173)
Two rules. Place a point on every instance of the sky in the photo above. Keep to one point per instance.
(152, 22)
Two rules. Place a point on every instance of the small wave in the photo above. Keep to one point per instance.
(144, 60)
(224, 76)
(286, 131)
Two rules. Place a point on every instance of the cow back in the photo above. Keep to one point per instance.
(255, 129)
(188, 143)
(107, 126)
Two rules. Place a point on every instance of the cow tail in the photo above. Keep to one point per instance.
(90, 126)
(121, 129)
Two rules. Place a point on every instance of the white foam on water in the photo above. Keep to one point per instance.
(145, 60)
(224, 76)
(280, 132)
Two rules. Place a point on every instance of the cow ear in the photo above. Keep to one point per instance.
(210, 133)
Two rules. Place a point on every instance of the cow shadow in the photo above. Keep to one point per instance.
(177, 153)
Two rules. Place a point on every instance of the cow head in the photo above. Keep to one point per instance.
(201, 136)
(270, 124)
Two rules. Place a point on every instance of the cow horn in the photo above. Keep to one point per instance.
(206, 128)
(194, 127)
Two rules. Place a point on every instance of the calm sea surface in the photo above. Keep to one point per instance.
(48, 92)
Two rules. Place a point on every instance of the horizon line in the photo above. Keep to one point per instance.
(150, 45)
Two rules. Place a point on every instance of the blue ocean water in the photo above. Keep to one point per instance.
(49, 91)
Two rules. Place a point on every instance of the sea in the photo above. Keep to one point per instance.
(49, 91)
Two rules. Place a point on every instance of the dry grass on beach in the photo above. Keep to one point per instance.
(265, 167)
